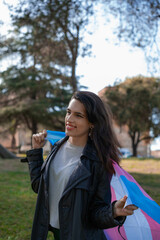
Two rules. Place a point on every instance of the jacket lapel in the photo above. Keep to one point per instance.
(52, 153)
(79, 174)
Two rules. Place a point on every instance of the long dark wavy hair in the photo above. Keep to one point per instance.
(102, 135)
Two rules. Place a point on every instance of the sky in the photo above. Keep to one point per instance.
(108, 62)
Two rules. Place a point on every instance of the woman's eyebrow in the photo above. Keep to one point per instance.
(80, 113)
(76, 112)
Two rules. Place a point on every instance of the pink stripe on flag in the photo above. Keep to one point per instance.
(113, 194)
(154, 226)
(113, 234)
(121, 171)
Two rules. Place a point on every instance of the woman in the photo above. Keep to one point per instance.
(74, 197)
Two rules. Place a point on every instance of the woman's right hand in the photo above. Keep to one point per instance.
(38, 139)
(121, 210)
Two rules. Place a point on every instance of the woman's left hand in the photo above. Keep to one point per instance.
(120, 210)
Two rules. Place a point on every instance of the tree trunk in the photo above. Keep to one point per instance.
(34, 126)
(13, 142)
(134, 149)
(34, 129)
(73, 77)
(135, 137)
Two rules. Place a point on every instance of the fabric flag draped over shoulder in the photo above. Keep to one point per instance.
(144, 224)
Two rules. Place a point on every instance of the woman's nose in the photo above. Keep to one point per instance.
(70, 118)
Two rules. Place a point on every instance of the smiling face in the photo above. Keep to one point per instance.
(76, 123)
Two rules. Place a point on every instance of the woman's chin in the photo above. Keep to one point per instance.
(68, 133)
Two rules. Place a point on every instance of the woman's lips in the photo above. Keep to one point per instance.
(70, 127)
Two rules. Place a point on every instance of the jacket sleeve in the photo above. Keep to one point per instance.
(35, 161)
(101, 208)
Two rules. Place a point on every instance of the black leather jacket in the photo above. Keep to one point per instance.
(84, 208)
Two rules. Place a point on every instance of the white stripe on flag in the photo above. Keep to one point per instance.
(136, 226)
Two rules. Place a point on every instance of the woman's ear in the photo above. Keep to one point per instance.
(91, 126)
(91, 130)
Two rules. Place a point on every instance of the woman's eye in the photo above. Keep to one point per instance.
(79, 116)
(68, 112)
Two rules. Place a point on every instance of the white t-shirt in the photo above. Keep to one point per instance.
(61, 168)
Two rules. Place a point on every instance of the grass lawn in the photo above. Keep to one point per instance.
(17, 200)
(147, 174)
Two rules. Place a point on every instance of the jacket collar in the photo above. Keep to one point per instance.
(81, 172)
(89, 150)
(55, 148)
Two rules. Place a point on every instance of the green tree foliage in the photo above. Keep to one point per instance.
(138, 24)
(35, 88)
(136, 103)
(29, 97)
(44, 46)
(62, 20)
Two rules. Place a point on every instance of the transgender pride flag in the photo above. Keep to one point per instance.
(144, 224)
(54, 136)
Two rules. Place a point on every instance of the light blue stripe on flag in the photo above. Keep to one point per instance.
(137, 197)
(54, 136)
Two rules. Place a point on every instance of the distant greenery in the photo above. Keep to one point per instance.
(135, 103)
(18, 201)
(45, 42)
